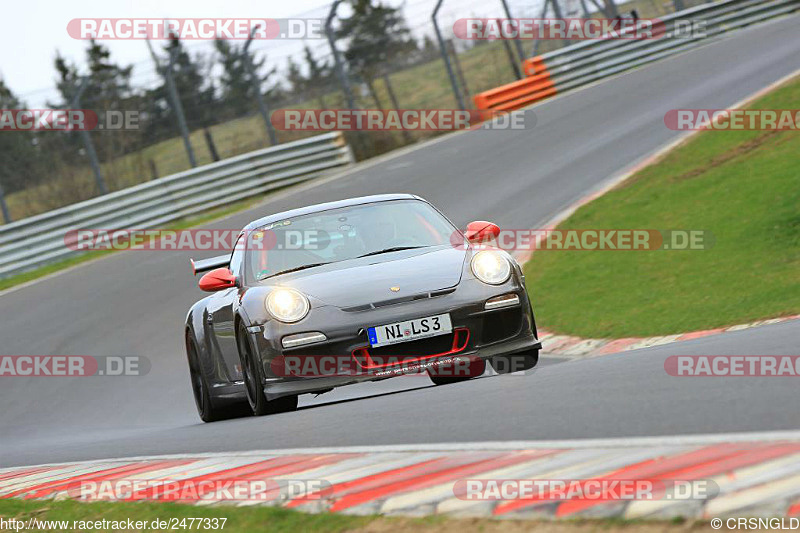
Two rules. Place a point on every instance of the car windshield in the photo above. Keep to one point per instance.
(346, 233)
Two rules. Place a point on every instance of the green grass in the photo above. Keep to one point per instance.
(253, 518)
(278, 520)
(742, 186)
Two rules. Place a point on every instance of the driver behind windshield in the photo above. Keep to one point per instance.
(343, 234)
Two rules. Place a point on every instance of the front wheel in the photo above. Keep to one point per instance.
(253, 381)
(506, 364)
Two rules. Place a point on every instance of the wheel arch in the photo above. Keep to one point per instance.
(194, 324)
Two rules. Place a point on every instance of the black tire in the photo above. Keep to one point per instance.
(254, 379)
(444, 374)
(206, 408)
(505, 364)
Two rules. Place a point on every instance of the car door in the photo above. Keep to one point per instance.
(221, 313)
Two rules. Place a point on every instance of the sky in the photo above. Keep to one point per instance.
(35, 29)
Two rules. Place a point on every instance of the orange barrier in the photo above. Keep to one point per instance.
(533, 66)
(536, 86)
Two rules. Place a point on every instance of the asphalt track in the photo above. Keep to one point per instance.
(134, 303)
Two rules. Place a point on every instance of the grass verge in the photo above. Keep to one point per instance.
(742, 186)
(275, 519)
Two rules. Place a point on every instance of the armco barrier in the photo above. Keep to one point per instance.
(518, 94)
(588, 61)
(38, 240)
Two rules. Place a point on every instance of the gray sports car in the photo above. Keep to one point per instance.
(351, 291)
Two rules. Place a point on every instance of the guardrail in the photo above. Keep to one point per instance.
(38, 240)
(518, 94)
(588, 61)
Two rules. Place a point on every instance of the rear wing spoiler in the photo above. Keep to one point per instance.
(212, 263)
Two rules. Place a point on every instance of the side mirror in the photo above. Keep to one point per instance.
(481, 231)
(217, 280)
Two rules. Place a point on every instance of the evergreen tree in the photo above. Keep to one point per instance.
(319, 76)
(108, 86)
(68, 80)
(17, 149)
(238, 89)
(377, 37)
(194, 88)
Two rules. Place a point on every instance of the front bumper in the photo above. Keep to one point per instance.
(494, 332)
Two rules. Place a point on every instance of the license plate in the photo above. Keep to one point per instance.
(409, 330)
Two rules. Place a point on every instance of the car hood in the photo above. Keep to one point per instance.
(367, 280)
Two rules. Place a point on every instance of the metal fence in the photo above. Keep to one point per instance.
(588, 61)
(189, 114)
(40, 239)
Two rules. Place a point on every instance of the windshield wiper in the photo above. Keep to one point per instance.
(295, 269)
(387, 250)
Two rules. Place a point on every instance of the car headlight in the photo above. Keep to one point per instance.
(491, 267)
(287, 305)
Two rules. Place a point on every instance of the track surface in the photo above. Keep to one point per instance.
(134, 303)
